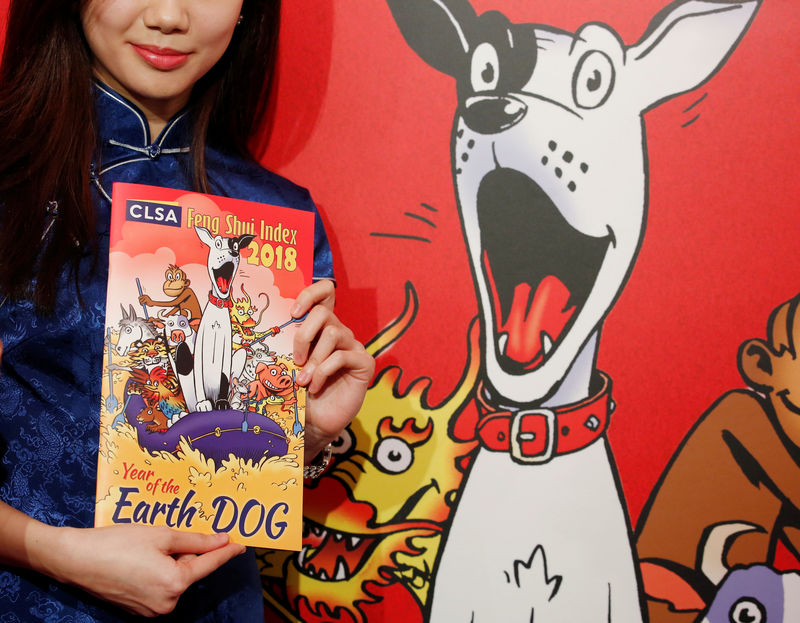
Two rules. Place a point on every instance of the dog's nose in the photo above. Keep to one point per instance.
(486, 114)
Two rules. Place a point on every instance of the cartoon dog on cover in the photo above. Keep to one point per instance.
(212, 361)
(550, 173)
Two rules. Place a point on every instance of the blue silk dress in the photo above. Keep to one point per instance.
(51, 371)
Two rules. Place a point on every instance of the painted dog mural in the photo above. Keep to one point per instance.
(364, 123)
(377, 161)
(550, 174)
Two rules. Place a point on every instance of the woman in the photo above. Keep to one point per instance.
(161, 92)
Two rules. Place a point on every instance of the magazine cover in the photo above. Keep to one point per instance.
(202, 422)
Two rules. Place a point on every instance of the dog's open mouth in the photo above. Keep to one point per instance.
(538, 268)
(223, 276)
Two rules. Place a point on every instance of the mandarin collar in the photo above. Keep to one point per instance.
(124, 133)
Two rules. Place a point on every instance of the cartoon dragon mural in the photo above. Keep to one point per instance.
(374, 521)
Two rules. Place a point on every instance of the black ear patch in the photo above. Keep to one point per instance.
(515, 45)
(245, 240)
(184, 362)
(438, 31)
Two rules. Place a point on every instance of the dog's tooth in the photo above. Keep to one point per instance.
(341, 570)
(547, 343)
(502, 340)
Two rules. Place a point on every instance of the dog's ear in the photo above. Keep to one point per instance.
(205, 236)
(437, 30)
(245, 240)
(685, 44)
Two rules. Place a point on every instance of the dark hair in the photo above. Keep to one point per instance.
(48, 132)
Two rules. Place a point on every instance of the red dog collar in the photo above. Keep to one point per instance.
(537, 435)
(219, 302)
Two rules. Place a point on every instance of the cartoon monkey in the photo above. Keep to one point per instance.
(176, 285)
(740, 464)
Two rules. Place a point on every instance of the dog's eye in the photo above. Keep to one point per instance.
(393, 455)
(218, 243)
(593, 80)
(485, 71)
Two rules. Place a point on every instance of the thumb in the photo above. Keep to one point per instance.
(193, 542)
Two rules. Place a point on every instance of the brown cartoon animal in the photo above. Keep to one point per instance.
(157, 422)
(176, 285)
(740, 463)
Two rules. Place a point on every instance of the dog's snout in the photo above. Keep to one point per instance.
(493, 114)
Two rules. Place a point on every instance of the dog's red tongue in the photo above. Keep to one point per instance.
(222, 284)
(529, 319)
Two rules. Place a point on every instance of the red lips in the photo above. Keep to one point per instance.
(161, 58)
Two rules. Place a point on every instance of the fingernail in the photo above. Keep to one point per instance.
(295, 310)
(303, 376)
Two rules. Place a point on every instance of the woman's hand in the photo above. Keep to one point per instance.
(144, 569)
(337, 369)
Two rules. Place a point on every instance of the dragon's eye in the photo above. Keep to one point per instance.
(593, 80)
(393, 455)
(344, 442)
(485, 70)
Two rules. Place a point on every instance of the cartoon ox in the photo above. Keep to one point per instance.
(179, 331)
(550, 173)
(177, 327)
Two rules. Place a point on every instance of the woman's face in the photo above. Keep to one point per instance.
(154, 51)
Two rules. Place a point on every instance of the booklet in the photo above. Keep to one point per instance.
(202, 423)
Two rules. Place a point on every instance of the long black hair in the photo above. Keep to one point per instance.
(48, 132)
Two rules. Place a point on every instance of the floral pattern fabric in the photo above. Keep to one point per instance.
(51, 371)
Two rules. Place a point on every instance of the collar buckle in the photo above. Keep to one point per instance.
(532, 436)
